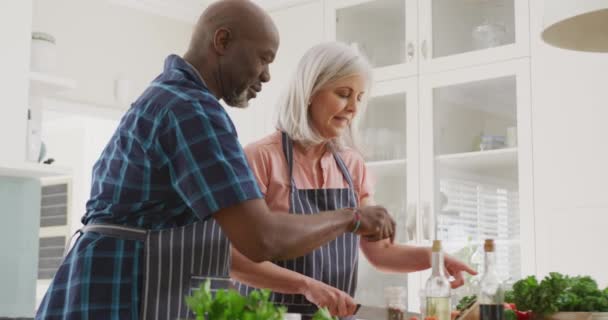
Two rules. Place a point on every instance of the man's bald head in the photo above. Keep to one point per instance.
(242, 18)
(233, 44)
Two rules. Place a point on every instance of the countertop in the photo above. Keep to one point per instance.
(379, 313)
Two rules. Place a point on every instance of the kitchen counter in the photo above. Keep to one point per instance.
(379, 313)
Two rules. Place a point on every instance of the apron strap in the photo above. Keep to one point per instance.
(111, 230)
(117, 231)
(68, 243)
(344, 170)
(288, 152)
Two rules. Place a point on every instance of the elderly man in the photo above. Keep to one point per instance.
(173, 188)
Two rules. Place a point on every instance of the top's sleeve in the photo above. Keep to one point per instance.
(206, 162)
(363, 179)
(366, 185)
(259, 162)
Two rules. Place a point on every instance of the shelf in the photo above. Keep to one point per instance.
(494, 162)
(385, 163)
(32, 170)
(42, 84)
(388, 167)
(496, 96)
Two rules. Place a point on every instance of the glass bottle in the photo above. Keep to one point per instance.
(491, 293)
(437, 290)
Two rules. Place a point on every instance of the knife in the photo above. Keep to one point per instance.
(363, 312)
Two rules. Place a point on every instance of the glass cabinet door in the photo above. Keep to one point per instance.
(476, 174)
(386, 128)
(458, 33)
(385, 31)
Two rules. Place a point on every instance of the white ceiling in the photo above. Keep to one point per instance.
(189, 10)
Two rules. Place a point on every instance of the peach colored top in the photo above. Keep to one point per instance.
(269, 166)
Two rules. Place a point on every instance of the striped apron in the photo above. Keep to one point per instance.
(176, 261)
(334, 263)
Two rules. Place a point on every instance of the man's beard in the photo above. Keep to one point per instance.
(234, 99)
(238, 100)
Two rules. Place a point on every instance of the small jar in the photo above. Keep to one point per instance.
(396, 302)
(43, 53)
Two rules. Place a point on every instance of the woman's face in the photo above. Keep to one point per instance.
(334, 106)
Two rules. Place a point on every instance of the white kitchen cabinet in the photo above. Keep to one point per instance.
(423, 136)
(470, 189)
(390, 119)
(461, 33)
(458, 70)
(386, 31)
(407, 37)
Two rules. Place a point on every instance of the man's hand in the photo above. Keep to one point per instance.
(454, 268)
(338, 302)
(376, 224)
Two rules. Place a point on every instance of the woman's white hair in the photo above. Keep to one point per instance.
(322, 64)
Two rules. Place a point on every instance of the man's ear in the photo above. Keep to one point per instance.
(221, 40)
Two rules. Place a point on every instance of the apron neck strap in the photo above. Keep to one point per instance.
(287, 144)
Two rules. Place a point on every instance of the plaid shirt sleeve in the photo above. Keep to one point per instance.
(207, 165)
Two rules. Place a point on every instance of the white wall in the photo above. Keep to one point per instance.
(76, 141)
(97, 41)
(15, 30)
(300, 28)
(75, 134)
(19, 198)
(570, 110)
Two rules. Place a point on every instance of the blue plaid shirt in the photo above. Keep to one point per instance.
(173, 159)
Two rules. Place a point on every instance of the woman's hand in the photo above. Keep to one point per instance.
(338, 302)
(454, 268)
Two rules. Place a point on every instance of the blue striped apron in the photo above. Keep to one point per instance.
(175, 262)
(334, 263)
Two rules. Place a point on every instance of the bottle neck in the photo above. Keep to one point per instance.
(491, 290)
(490, 263)
(437, 264)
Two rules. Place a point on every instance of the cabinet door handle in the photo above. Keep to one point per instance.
(411, 222)
(424, 49)
(427, 222)
(410, 51)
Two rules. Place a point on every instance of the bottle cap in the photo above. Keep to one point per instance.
(436, 245)
(488, 246)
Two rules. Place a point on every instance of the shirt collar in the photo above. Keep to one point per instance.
(176, 62)
(198, 74)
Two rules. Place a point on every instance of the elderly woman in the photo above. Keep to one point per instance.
(311, 164)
